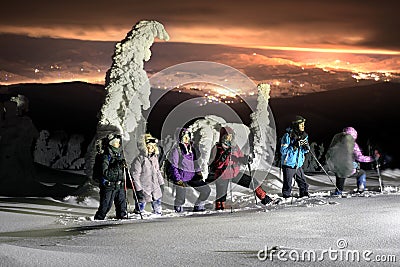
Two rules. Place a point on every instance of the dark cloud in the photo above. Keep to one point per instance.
(319, 21)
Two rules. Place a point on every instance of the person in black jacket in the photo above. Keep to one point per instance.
(112, 181)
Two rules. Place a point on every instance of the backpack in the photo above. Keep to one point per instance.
(97, 175)
(339, 156)
(167, 166)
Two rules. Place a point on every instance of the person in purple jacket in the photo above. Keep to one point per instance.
(186, 172)
(344, 156)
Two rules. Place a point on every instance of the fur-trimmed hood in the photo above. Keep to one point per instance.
(148, 139)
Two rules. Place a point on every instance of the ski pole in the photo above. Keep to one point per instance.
(126, 170)
(126, 195)
(379, 175)
(252, 182)
(319, 164)
(134, 193)
(230, 188)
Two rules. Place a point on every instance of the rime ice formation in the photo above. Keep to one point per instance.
(59, 150)
(206, 134)
(264, 137)
(128, 88)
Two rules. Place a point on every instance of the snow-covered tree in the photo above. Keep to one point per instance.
(206, 134)
(263, 139)
(127, 86)
(128, 89)
(58, 150)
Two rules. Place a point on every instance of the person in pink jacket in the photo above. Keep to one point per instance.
(344, 157)
(147, 177)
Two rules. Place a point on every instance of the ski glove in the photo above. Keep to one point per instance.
(303, 143)
(122, 164)
(180, 183)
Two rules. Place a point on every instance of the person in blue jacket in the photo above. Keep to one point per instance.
(294, 146)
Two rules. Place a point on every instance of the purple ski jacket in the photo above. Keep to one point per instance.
(183, 163)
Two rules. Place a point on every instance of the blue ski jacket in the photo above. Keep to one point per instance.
(291, 154)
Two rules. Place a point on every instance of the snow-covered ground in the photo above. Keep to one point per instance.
(49, 232)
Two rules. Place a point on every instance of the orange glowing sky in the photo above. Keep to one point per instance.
(352, 35)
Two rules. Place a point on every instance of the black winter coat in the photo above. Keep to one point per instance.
(112, 165)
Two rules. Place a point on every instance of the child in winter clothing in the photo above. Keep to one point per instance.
(186, 172)
(294, 146)
(112, 179)
(344, 156)
(146, 175)
(226, 160)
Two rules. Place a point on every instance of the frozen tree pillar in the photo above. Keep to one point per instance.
(263, 139)
(127, 84)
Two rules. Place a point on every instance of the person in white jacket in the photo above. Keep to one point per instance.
(147, 177)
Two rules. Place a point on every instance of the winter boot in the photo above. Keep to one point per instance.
(219, 205)
(199, 207)
(142, 205)
(304, 194)
(266, 200)
(139, 207)
(260, 193)
(361, 183)
(340, 184)
(337, 193)
(178, 209)
(157, 206)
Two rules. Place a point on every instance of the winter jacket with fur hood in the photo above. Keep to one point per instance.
(146, 175)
